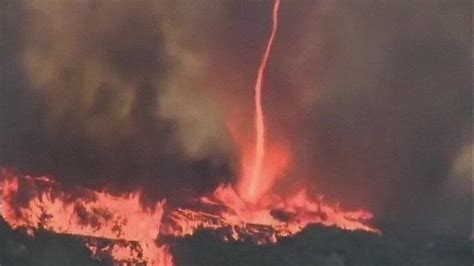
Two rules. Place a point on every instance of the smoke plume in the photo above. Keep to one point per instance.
(373, 98)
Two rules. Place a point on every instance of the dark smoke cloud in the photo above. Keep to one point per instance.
(390, 113)
(81, 99)
(374, 98)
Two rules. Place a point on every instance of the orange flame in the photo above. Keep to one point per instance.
(134, 229)
(252, 188)
(96, 215)
(250, 212)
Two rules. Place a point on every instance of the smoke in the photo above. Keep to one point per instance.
(102, 96)
(385, 90)
(373, 97)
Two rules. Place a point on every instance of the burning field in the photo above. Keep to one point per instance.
(235, 133)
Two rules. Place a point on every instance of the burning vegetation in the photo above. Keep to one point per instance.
(248, 211)
(133, 233)
(128, 227)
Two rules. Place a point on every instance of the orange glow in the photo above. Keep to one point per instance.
(255, 181)
(253, 188)
(134, 229)
(266, 222)
(251, 210)
(94, 214)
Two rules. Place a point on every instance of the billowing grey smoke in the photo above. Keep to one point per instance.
(392, 109)
(90, 95)
(373, 96)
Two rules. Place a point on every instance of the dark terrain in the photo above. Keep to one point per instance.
(314, 246)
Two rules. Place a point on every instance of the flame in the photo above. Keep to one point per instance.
(249, 211)
(279, 217)
(134, 230)
(34, 203)
(253, 183)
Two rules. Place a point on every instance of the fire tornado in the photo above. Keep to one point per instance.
(119, 226)
(259, 115)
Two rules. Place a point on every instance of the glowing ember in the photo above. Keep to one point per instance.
(131, 231)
